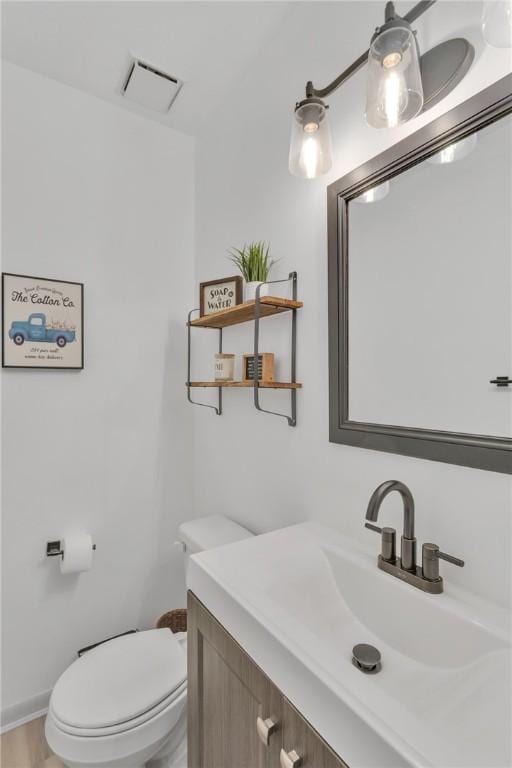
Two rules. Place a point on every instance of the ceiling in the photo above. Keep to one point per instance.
(90, 45)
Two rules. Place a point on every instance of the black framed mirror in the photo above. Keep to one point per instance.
(420, 291)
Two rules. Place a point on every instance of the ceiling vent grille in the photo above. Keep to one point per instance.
(151, 88)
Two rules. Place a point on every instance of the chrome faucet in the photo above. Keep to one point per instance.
(427, 577)
(408, 553)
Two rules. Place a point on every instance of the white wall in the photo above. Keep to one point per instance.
(95, 194)
(262, 472)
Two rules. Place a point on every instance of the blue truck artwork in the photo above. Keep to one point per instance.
(36, 328)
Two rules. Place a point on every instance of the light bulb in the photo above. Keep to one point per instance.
(453, 152)
(310, 145)
(310, 154)
(393, 98)
(391, 60)
(373, 195)
(497, 23)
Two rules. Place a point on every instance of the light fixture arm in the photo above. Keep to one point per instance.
(413, 14)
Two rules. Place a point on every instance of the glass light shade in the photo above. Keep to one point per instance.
(394, 92)
(374, 194)
(310, 144)
(456, 151)
(497, 23)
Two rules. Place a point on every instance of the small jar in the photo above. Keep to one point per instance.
(224, 367)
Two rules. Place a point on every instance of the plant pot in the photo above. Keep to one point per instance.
(250, 290)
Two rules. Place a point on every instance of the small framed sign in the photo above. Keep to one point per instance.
(216, 295)
(265, 367)
(42, 323)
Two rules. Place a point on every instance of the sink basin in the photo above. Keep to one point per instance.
(300, 598)
(431, 631)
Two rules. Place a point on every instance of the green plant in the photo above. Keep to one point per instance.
(253, 261)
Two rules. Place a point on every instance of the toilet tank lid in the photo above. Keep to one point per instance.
(210, 532)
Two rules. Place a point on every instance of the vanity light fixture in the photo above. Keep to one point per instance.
(394, 91)
(497, 23)
(310, 145)
(400, 84)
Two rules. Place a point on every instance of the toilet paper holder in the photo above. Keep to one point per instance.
(54, 548)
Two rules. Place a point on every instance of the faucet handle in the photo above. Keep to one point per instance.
(431, 555)
(388, 540)
(373, 527)
(451, 559)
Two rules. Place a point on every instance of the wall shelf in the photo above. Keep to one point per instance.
(261, 384)
(261, 307)
(243, 313)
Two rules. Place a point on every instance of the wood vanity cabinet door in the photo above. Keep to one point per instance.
(299, 736)
(227, 692)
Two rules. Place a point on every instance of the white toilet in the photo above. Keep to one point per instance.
(123, 704)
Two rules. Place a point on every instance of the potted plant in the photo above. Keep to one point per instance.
(255, 264)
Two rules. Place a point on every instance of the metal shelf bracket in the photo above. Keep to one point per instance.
(292, 418)
(217, 408)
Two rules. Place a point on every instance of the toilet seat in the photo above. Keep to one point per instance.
(120, 685)
(130, 748)
(127, 725)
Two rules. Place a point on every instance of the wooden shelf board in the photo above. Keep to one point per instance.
(261, 384)
(243, 313)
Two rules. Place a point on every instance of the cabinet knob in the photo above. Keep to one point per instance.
(265, 729)
(289, 759)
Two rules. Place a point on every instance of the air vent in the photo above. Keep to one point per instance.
(150, 88)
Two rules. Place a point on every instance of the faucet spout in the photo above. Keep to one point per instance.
(408, 540)
(380, 494)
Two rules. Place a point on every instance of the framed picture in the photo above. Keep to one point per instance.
(42, 323)
(216, 295)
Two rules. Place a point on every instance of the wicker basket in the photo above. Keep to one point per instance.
(175, 620)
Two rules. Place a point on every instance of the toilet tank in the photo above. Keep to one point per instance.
(210, 532)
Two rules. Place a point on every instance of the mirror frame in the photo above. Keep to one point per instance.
(478, 451)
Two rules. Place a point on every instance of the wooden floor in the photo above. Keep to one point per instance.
(26, 747)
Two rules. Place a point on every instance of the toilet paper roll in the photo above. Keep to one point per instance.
(77, 553)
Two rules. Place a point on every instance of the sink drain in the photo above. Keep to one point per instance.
(366, 658)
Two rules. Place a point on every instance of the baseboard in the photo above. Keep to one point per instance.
(24, 711)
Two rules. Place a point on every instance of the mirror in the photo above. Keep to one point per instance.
(420, 249)
(430, 297)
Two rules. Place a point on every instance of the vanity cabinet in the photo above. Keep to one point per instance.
(299, 736)
(237, 718)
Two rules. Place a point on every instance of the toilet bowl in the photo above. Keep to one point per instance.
(123, 704)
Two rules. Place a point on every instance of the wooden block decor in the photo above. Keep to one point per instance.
(265, 367)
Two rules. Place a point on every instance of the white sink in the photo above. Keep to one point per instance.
(300, 598)
(434, 632)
